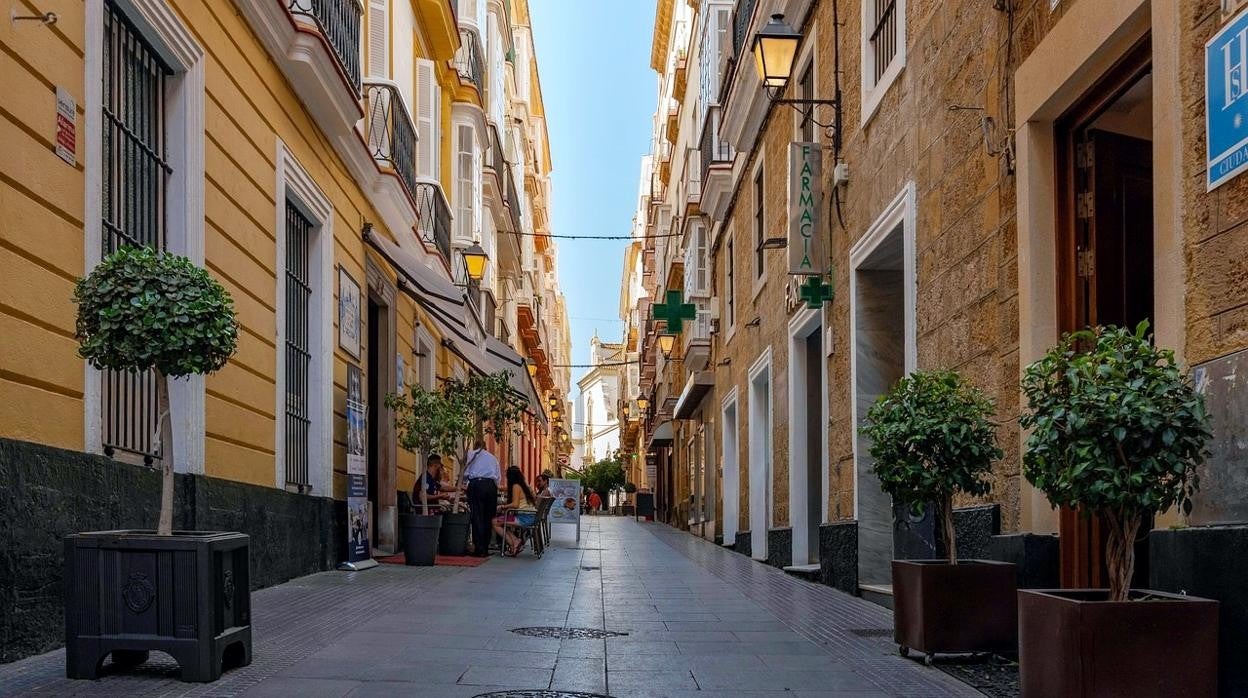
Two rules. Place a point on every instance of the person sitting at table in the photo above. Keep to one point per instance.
(430, 488)
(543, 485)
(518, 509)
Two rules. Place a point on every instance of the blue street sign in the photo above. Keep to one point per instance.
(1226, 109)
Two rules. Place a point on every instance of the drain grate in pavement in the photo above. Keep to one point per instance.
(590, 568)
(540, 693)
(872, 632)
(555, 633)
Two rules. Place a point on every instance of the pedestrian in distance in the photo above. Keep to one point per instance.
(481, 470)
(595, 502)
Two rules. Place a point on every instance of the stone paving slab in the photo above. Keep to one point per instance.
(701, 621)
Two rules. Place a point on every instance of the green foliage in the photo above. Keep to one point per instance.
(630, 487)
(141, 309)
(603, 476)
(931, 437)
(1115, 429)
(446, 420)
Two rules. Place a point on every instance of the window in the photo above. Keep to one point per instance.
(426, 357)
(760, 225)
(133, 212)
(883, 49)
(465, 182)
(298, 344)
(730, 294)
(697, 276)
(806, 90)
(378, 39)
(714, 31)
(428, 106)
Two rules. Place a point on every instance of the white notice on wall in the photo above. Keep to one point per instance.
(66, 126)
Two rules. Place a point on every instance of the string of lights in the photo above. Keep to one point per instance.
(597, 237)
(609, 363)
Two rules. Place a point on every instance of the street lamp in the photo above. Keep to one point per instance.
(553, 401)
(642, 403)
(667, 342)
(775, 47)
(532, 369)
(474, 261)
(554, 414)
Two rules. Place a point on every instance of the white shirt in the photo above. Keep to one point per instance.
(482, 463)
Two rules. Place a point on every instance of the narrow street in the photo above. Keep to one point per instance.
(693, 619)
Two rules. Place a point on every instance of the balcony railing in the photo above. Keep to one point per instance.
(339, 22)
(469, 61)
(434, 215)
(714, 148)
(698, 329)
(513, 198)
(391, 134)
(741, 16)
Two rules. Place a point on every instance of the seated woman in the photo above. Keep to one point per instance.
(430, 489)
(518, 509)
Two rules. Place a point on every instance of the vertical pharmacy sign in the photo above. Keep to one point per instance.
(806, 245)
(1226, 102)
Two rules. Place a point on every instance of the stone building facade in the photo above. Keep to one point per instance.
(1012, 170)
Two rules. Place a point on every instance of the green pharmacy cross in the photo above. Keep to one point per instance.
(815, 292)
(674, 312)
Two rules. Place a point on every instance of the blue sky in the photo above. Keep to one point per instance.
(599, 90)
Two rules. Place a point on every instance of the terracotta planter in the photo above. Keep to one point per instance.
(1073, 642)
(949, 609)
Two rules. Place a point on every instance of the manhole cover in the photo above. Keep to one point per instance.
(567, 633)
(872, 632)
(590, 568)
(540, 693)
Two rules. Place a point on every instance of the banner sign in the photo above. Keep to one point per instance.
(566, 508)
(807, 253)
(1226, 109)
(359, 518)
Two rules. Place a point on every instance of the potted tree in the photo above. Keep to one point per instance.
(185, 593)
(1117, 430)
(931, 437)
(446, 420)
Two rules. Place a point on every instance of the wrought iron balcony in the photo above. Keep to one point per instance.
(469, 59)
(714, 148)
(390, 132)
(434, 224)
(339, 22)
(741, 16)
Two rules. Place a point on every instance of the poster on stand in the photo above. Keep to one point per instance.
(359, 518)
(566, 508)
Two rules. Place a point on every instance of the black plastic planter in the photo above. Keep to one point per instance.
(420, 539)
(453, 540)
(129, 592)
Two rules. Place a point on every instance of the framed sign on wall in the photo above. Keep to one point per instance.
(348, 313)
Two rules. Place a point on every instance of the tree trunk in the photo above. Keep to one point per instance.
(165, 527)
(1120, 552)
(951, 535)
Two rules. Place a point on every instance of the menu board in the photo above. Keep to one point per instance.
(567, 506)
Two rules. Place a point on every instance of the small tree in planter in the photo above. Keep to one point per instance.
(143, 310)
(1117, 431)
(932, 437)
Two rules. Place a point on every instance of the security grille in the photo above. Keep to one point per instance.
(884, 35)
(134, 179)
(298, 356)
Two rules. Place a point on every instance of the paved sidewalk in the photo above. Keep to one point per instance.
(700, 621)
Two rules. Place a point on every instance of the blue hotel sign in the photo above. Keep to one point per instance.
(1226, 102)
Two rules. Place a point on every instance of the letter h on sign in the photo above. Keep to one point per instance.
(1226, 110)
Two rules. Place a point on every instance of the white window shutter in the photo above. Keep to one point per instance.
(378, 39)
(427, 109)
(465, 183)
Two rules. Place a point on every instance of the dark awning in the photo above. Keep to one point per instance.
(447, 306)
(696, 388)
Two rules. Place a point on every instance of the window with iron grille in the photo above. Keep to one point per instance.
(760, 226)
(134, 178)
(298, 344)
(806, 90)
(884, 36)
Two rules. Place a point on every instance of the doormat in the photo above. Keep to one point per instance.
(439, 561)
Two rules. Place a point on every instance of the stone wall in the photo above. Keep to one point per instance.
(50, 492)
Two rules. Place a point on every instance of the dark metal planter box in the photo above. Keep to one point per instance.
(951, 609)
(1073, 642)
(187, 595)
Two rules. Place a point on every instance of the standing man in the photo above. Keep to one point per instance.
(482, 473)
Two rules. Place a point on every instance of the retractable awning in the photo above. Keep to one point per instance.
(447, 306)
(663, 435)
